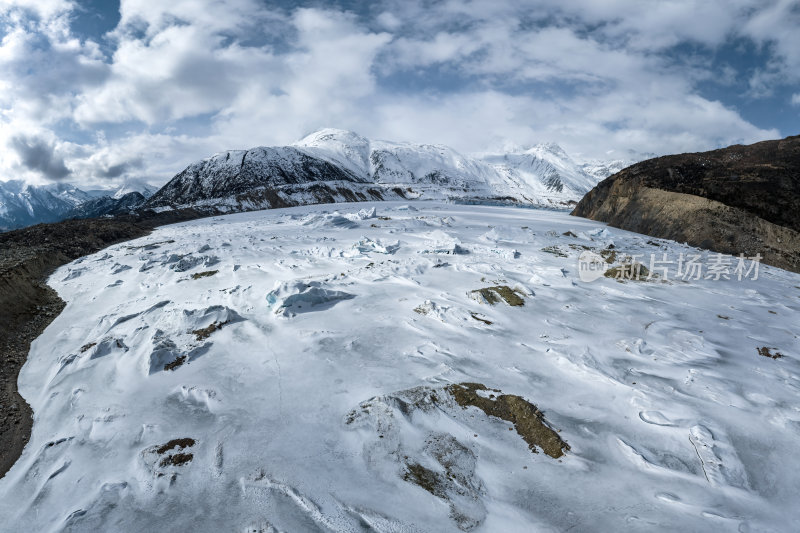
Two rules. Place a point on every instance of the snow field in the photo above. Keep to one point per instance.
(287, 370)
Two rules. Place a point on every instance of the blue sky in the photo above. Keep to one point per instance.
(94, 91)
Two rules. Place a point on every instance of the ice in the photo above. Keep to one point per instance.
(311, 375)
(366, 245)
(334, 220)
(363, 214)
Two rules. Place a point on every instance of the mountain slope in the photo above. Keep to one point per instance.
(23, 205)
(262, 178)
(108, 206)
(740, 199)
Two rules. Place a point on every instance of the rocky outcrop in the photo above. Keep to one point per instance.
(740, 199)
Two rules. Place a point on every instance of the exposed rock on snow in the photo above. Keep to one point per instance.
(436, 461)
(499, 293)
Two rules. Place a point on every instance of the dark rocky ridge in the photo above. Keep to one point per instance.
(262, 178)
(28, 305)
(740, 199)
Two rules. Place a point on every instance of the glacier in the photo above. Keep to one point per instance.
(296, 374)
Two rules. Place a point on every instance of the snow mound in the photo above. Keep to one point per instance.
(502, 234)
(439, 242)
(403, 440)
(334, 220)
(188, 262)
(291, 298)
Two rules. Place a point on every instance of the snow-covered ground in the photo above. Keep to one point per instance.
(302, 357)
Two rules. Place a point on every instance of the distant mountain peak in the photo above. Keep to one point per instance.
(134, 185)
(331, 134)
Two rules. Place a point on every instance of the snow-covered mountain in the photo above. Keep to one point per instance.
(126, 198)
(545, 169)
(259, 178)
(23, 205)
(327, 166)
(544, 174)
(408, 367)
(336, 165)
(600, 170)
(69, 193)
(132, 185)
(108, 206)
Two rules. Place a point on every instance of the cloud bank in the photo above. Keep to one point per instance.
(169, 82)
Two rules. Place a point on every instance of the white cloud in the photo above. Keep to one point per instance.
(796, 99)
(180, 80)
(46, 9)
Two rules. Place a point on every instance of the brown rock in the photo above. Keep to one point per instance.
(740, 199)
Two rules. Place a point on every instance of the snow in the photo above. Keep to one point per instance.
(22, 204)
(306, 377)
(134, 185)
(543, 174)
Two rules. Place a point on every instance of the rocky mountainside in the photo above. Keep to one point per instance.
(740, 199)
(108, 206)
(336, 165)
(260, 178)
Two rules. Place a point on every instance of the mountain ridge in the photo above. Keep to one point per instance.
(332, 165)
(23, 204)
(326, 166)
